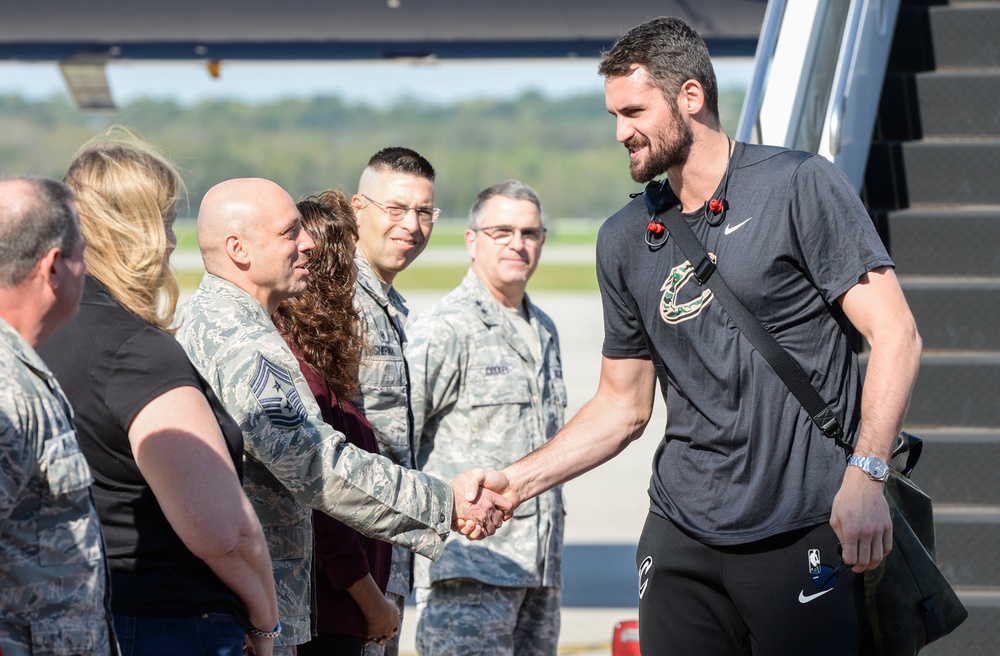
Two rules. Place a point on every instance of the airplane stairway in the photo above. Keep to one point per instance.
(932, 185)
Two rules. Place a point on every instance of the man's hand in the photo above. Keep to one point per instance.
(861, 521)
(479, 507)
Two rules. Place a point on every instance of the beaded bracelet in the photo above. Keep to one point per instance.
(257, 633)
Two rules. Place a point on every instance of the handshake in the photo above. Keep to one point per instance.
(484, 499)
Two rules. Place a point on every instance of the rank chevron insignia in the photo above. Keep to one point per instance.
(276, 393)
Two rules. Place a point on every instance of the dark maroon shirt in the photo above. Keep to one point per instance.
(343, 556)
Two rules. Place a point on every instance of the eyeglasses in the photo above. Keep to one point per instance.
(824, 577)
(396, 213)
(504, 234)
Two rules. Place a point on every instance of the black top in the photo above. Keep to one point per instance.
(111, 364)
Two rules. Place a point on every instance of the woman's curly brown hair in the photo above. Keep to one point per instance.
(323, 322)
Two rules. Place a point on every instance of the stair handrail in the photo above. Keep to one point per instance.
(766, 42)
(856, 86)
(845, 69)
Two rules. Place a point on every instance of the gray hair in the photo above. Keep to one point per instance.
(32, 224)
(514, 189)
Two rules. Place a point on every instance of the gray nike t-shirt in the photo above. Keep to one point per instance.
(740, 459)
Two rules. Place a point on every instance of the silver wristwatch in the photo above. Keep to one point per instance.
(876, 468)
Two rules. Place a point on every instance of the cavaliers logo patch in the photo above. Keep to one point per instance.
(276, 393)
(672, 311)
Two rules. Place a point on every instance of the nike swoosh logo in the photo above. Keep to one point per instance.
(805, 599)
(730, 229)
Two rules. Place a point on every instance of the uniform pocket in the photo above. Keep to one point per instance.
(559, 392)
(68, 637)
(68, 530)
(65, 467)
(382, 372)
(288, 542)
(497, 383)
(527, 509)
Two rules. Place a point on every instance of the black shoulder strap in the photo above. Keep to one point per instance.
(777, 357)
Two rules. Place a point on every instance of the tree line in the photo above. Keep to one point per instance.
(565, 148)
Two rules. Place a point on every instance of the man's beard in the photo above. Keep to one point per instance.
(658, 161)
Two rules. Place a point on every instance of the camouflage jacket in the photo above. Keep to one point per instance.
(385, 386)
(481, 399)
(53, 576)
(293, 460)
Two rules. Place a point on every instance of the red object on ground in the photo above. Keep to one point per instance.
(625, 641)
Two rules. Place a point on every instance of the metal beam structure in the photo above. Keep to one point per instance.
(60, 30)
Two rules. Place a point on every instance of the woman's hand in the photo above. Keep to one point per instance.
(381, 620)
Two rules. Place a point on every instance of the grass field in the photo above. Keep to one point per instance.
(548, 277)
(555, 276)
(446, 234)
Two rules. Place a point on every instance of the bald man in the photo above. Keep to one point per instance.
(256, 255)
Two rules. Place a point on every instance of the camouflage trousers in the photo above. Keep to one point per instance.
(391, 646)
(460, 616)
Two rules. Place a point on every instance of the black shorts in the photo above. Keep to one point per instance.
(781, 596)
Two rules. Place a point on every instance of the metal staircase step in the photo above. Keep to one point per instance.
(931, 172)
(965, 34)
(968, 544)
(978, 635)
(919, 105)
(968, 553)
(955, 389)
(947, 241)
(958, 465)
(946, 36)
(954, 312)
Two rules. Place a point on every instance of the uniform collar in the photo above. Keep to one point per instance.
(368, 279)
(487, 307)
(373, 285)
(13, 342)
(222, 288)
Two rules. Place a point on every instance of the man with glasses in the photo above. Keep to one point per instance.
(395, 212)
(488, 389)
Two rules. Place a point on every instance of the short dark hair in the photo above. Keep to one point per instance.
(514, 189)
(671, 51)
(31, 225)
(397, 159)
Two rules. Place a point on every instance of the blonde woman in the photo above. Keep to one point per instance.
(190, 572)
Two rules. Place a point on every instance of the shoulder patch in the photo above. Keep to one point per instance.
(272, 385)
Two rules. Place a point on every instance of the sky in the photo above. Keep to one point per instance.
(374, 83)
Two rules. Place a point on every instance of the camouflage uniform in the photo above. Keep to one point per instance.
(385, 400)
(53, 578)
(481, 399)
(292, 459)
